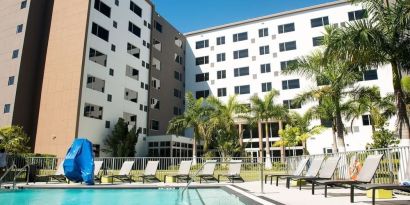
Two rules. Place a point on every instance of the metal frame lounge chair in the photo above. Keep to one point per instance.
(150, 171)
(234, 171)
(97, 169)
(207, 172)
(183, 172)
(373, 187)
(365, 175)
(311, 172)
(298, 172)
(125, 172)
(325, 172)
(58, 175)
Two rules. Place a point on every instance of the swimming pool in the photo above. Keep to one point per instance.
(149, 196)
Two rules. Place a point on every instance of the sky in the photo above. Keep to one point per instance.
(191, 15)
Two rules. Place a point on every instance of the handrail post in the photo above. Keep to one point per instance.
(261, 168)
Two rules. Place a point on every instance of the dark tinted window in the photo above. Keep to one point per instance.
(102, 7)
(100, 31)
(135, 8)
(322, 21)
(286, 28)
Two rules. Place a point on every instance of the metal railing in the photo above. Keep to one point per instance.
(389, 170)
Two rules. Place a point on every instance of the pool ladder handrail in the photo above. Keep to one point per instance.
(7, 171)
(27, 166)
(193, 177)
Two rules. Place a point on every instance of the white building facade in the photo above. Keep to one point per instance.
(246, 58)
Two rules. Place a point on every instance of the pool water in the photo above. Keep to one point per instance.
(118, 196)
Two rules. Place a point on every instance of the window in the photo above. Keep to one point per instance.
(107, 124)
(114, 24)
(100, 31)
(93, 111)
(220, 57)
(155, 103)
(177, 111)
(202, 44)
(263, 32)
(357, 15)
(202, 94)
(285, 64)
(95, 83)
(290, 84)
(117, 2)
(158, 26)
(111, 72)
(202, 77)
(156, 64)
(263, 50)
(221, 74)
(11, 81)
(133, 50)
(322, 21)
(155, 83)
(178, 75)
(19, 28)
(243, 89)
(178, 58)
(102, 7)
(23, 4)
(220, 40)
(265, 68)
(98, 57)
(221, 92)
(136, 9)
(129, 118)
(285, 28)
(6, 108)
(241, 71)
(287, 46)
(240, 36)
(178, 42)
(177, 93)
(202, 60)
(154, 125)
(317, 41)
(266, 87)
(157, 45)
(109, 97)
(370, 75)
(112, 47)
(366, 120)
(291, 104)
(15, 54)
(134, 29)
(130, 95)
(240, 54)
(320, 80)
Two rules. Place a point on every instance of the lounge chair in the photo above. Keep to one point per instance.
(365, 175)
(207, 172)
(234, 171)
(97, 169)
(150, 171)
(58, 175)
(326, 172)
(183, 172)
(373, 187)
(311, 172)
(125, 173)
(298, 172)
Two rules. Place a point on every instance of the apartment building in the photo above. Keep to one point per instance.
(24, 29)
(246, 58)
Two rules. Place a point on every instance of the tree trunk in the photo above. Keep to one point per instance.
(282, 147)
(334, 145)
(339, 126)
(304, 147)
(260, 156)
(193, 151)
(402, 118)
(268, 160)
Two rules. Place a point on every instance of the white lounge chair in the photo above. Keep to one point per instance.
(183, 172)
(150, 172)
(234, 171)
(125, 172)
(207, 172)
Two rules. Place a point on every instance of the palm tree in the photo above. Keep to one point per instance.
(368, 100)
(382, 38)
(339, 80)
(194, 117)
(302, 122)
(263, 110)
(223, 115)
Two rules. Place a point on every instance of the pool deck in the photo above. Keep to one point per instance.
(272, 194)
